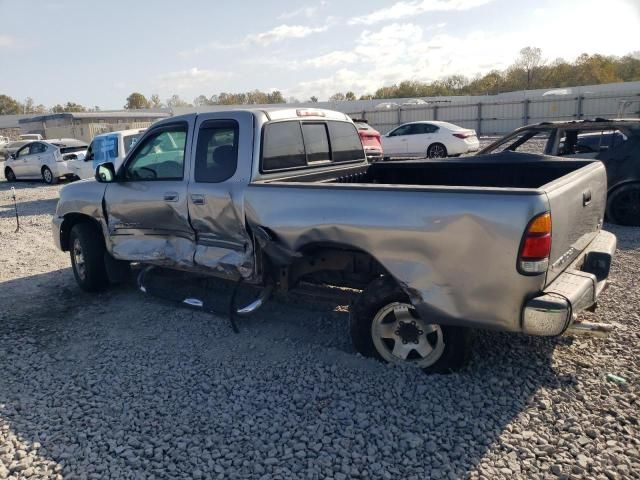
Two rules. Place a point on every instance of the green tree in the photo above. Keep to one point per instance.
(313, 99)
(350, 96)
(9, 106)
(337, 97)
(136, 101)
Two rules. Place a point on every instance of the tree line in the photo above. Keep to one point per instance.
(529, 71)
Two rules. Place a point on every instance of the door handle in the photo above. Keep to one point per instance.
(197, 199)
(586, 198)
(171, 197)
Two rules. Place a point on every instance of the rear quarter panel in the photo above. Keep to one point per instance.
(453, 250)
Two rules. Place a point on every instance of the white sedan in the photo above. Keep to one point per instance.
(46, 159)
(429, 139)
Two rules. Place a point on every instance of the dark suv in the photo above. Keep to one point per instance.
(614, 142)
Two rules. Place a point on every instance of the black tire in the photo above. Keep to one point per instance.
(86, 244)
(623, 205)
(386, 159)
(383, 292)
(47, 176)
(437, 150)
(9, 175)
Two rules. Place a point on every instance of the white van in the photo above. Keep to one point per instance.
(106, 147)
(30, 137)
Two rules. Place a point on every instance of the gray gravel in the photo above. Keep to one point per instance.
(122, 386)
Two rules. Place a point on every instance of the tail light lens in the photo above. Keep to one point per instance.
(536, 246)
(464, 135)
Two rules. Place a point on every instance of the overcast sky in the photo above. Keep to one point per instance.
(96, 53)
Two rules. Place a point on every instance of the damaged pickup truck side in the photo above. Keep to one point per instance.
(275, 197)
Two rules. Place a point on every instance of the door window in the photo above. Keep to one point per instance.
(216, 152)
(528, 141)
(23, 152)
(574, 142)
(160, 156)
(129, 141)
(37, 147)
(401, 130)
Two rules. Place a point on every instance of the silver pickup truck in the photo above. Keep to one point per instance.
(276, 197)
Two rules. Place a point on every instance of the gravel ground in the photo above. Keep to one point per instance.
(120, 385)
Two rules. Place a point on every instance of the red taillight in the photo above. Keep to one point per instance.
(535, 248)
(536, 245)
(464, 135)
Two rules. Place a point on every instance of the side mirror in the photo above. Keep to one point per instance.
(12, 156)
(105, 173)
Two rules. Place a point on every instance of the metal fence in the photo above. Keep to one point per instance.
(496, 118)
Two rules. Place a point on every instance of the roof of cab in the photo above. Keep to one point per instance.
(272, 113)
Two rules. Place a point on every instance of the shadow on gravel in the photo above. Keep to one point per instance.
(26, 209)
(122, 385)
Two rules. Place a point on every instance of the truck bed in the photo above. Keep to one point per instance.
(449, 228)
(508, 170)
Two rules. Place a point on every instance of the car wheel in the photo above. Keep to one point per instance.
(87, 257)
(9, 175)
(436, 150)
(47, 176)
(623, 205)
(386, 326)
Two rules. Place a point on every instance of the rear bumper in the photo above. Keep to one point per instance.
(576, 289)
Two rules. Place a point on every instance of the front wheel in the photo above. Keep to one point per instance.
(386, 326)
(623, 205)
(436, 150)
(47, 176)
(87, 257)
(9, 175)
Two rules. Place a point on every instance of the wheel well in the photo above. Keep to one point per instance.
(70, 220)
(617, 186)
(43, 167)
(334, 264)
(7, 169)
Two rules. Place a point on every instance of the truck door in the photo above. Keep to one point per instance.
(222, 169)
(146, 208)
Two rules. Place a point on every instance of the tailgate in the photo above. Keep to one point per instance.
(577, 203)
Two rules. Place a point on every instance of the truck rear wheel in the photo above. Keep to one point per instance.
(87, 257)
(623, 205)
(386, 326)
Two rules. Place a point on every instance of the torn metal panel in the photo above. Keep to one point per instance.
(455, 254)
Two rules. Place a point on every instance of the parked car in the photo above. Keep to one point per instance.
(10, 148)
(277, 196)
(429, 139)
(30, 136)
(615, 142)
(3, 140)
(44, 159)
(370, 139)
(107, 147)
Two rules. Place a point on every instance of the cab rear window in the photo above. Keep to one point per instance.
(295, 144)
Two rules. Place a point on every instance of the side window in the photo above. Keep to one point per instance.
(401, 130)
(37, 147)
(575, 142)
(129, 141)
(345, 142)
(216, 152)
(316, 142)
(105, 149)
(23, 152)
(160, 156)
(282, 146)
(429, 128)
(528, 141)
